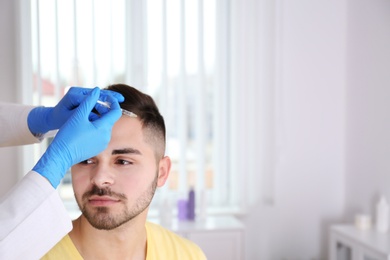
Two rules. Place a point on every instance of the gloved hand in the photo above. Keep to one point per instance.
(43, 119)
(80, 138)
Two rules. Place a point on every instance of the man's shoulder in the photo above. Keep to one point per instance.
(64, 249)
(161, 240)
(159, 232)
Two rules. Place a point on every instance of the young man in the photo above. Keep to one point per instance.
(114, 189)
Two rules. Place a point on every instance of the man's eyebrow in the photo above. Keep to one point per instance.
(126, 151)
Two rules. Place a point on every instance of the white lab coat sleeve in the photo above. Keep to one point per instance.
(13, 125)
(33, 219)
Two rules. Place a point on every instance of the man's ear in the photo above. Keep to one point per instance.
(164, 167)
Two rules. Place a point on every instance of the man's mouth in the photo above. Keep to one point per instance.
(100, 201)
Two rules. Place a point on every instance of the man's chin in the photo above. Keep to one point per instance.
(101, 218)
(101, 222)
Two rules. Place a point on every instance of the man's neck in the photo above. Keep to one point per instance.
(125, 242)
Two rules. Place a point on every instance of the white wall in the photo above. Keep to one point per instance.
(368, 105)
(335, 142)
(8, 87)
(310, 125)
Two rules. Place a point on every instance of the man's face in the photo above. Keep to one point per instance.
(118, 184)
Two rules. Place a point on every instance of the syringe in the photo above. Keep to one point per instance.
(124, 111)
(104, 103)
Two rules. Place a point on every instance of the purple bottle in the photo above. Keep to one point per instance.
(182, 206)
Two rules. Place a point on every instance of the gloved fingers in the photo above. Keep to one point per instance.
(79, 90)
(100, 109)
(93, 116)
(75, 96)
(84, 109)
(116, 95)
(105, 106)
(109, 100)
(109, 118)
(85, 91)
(114, 103)
(103, 92)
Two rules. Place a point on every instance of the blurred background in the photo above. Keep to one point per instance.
(276, 111)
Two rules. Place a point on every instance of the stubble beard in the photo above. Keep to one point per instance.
(101, 218)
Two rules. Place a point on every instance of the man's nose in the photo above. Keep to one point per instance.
(102, 176)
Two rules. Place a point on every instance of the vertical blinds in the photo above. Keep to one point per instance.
(175, 50)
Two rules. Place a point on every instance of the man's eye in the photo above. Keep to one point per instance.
(124, 162)
(88, 161)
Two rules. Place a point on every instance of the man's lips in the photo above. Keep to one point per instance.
(102, 200)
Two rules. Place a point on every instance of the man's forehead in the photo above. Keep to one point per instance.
(128, 136)
(127, 127)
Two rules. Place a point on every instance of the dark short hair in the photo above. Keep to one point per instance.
(147, 112)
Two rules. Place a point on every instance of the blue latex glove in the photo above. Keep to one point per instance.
(43, 119)
(79, 138)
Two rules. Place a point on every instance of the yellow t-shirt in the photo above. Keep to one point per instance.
(161, 244)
